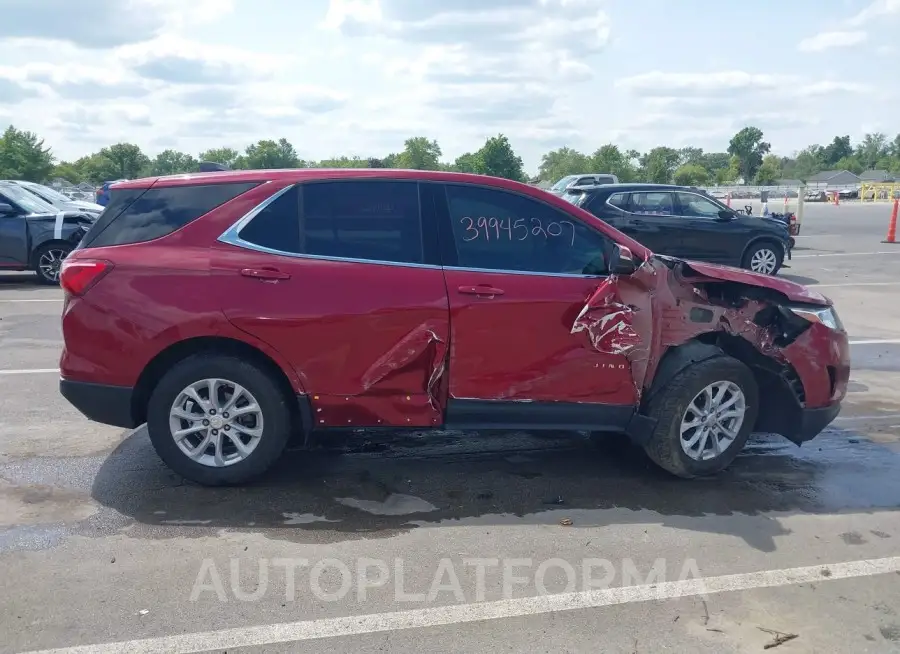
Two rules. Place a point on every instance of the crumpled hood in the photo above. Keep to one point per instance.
(794, 291)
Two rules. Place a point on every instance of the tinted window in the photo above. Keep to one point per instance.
(276, 227)
(496, 230)
(697, 206)
(373, 220)
(654, 203)
(157, 212)
(618, 200)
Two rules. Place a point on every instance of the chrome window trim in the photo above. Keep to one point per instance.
(612, 195)
(231, 237)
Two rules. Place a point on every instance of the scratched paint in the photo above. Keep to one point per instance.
(607, 321)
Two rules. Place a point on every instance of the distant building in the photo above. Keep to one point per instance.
(877, 176)
(834, 178)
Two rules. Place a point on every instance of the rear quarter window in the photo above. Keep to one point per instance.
(140, 215)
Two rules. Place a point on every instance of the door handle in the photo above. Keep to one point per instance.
(482, 290)
(265, 274)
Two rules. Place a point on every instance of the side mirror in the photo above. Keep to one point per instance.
(6, 209)
(621, 261)
(725, 215)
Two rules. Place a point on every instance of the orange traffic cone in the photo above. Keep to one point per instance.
(892, 226)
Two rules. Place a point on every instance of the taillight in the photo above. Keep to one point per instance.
(78, 275)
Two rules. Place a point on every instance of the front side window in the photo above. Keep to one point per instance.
(653, 203)
(696, 206)
(498, 230)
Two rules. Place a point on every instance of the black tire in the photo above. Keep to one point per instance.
(58, 251)
(669, 406)
(759, 246)
(274, 404)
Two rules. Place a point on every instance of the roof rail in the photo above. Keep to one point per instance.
(212, 167)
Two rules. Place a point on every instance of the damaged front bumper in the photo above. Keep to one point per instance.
(813, 422)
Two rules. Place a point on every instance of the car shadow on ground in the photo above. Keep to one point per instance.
(800, 279)
(379, 486)
(20, 281)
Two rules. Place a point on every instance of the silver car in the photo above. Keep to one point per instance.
(582, 181)
(57, 199)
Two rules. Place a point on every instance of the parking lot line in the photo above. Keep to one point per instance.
(55, 299)
(854, 284)
(844, 254)
(292, 632)
(28, 371)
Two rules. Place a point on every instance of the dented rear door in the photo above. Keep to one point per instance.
(519, 275)
(350, 294)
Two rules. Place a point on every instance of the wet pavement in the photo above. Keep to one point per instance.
(99, 542)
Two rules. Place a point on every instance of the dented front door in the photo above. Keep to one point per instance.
(517, 337)
(519, 276)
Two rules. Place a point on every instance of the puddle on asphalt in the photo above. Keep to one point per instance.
(379, 489)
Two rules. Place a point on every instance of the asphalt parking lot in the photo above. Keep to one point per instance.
(462, 542)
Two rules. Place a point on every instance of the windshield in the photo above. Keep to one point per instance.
(29, 202)
(575, 197)
(47, 194)
(563, 183)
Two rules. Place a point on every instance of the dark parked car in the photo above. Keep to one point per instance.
(229, 310)
(687, 223)
(35, 235)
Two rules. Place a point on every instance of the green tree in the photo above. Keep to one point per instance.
(557, 164)
(769, 171)
(468, 163)
(658, 165)
(871, 149)
(853, 164)
(227, 156)
(691, 174)
(420, 154)
(835, 151)
(691, 155)
(347, 162)
(748, 146)
(716, 161)
(496, 157)
(609, 159)
(730, 174)
(125, 161)
(23, 156)
(68, 171)
(268, 155)
(172, 162)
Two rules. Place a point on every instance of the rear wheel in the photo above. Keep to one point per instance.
(764, 257)
(218, 420)
(704, 417)
(48, 261)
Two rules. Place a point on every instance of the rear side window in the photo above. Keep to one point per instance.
(277, 226)
(373, 220)
(137, 216)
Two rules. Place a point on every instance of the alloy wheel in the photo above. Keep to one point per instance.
(216, 422)
(51, 262)
(713, 420)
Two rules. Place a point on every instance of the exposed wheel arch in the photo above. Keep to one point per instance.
(179, 351)
(48, 244)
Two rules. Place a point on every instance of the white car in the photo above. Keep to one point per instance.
(582, 181)
(57, 199)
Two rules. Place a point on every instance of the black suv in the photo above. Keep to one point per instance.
(687, 223)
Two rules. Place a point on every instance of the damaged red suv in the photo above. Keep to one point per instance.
(230, 310)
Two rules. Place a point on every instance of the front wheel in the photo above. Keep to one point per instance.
(218, 419)
(704, 417)
(48, 262)
(765, 257)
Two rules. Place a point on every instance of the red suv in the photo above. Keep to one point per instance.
(229, 310)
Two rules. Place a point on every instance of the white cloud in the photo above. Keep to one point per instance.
(829, 40)
(876, 9)
(178, 60)
(660, 84)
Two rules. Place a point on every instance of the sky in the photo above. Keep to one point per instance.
(358, 77)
